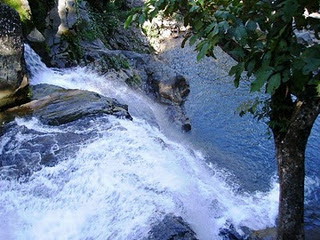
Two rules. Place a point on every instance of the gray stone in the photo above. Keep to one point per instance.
(131, 39)
(35, 36)
(134, 3)
(55, 106)
(171, 228)
(164, 84)
(265, 234)
(230, 233)
(306, 37)
(13, 77)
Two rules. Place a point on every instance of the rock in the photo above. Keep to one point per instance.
(59, 31)
(63, 106)
(131, 39)
(35, 36)
(306, 37)
(265, 234)
(164, 84)
(171, 228)
(13, 75)
(73, 42)
(134, 3)
(230, 233)
(26, 149)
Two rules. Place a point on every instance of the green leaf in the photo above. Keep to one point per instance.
(210, 27)
(285, 76)
(224, 25)
(266, 59)
(214, 32)
(198, 25)
(203, 51)
(250, 67)
(312, 64)
(238, 52)
(154, 13)
(142, 19)
(262, 76)
(282, 45)
(185, 40)
(274, 83)
(128, 21)
(290, 9)
(251, 25)
(193, 39)
(237, 71)
(240, 33)
(194, 8)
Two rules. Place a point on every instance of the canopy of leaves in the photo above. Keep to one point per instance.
(259, 34)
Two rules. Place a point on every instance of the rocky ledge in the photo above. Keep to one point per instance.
(55, 105)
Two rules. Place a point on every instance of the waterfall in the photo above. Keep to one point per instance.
(114, 178)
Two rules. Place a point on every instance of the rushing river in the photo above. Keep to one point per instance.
(114, 178)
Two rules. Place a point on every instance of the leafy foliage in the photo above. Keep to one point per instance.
(259, 34)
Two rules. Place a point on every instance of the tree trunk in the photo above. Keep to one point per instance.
(290, 157)
(290, 149)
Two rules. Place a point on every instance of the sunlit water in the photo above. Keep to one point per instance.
(241, 145)
(114, 178)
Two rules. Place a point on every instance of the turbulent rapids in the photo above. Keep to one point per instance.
(113, 178)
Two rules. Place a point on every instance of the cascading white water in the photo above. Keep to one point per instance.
(121, 179)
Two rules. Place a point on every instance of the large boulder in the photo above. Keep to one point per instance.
(171, 228)
(55, 105)
(52, 105)
(13, 74)
(164, 84)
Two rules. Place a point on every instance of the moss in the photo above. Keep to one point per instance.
(119, 62)
(87, 30)
(30, 93)
(25, 14)
(134, 81)
(72, 39)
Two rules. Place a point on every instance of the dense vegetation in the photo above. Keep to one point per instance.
(262, 36)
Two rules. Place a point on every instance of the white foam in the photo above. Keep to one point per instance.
(124, 180)
(119, 184)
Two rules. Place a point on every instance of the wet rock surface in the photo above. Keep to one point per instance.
(171, 228)
(230, 233)
(164, 84)
(56, 106)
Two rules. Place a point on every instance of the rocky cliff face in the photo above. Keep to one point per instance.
(68, 33)
(13, 77)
